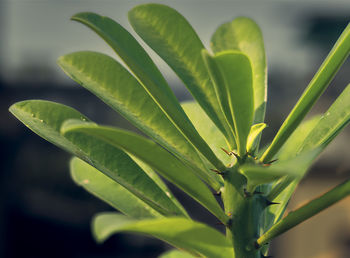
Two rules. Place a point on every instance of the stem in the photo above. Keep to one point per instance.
(306, 211)
(245, 212)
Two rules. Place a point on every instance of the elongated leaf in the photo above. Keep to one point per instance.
(331, 123)
(182, 233)
(254, 133)
(112, 83)
(152, 154)
(45, 118)
(236, 73)
(170, 35)
(207, 130)
(317, 86)
(135, 57)
(150, 172)
(220, 90)
(109, 191)
(243, 34)
(306, 211)
(176, 254)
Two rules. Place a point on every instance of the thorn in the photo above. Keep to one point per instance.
(246, 193)
(217, 171)
(218, 193)
(227, 152)
(266, 165)
(268, 202)
(220, 223)
(272, 161)
(235, 154)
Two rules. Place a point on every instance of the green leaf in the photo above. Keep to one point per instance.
(113, 84)
(331, 123)
(208, 130)
(135, 57)
(236, 73)
(152, 154)
(175, 254)
(306, 211)
(45, 118)
(316, 87)
(109, 191)
(150, 172)
(170, 35)
(220, 91)
(254, 133)
(244, 35)
(186, 234)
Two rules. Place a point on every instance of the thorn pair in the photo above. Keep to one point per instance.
(230, 153)
(269, 163)
(217, 171)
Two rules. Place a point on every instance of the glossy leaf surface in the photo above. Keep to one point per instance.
(254, 133)
(244, 35)
(37, 115)
(109, 191)
(170, 35)
(236, 73)
(152, 154)
(182, 233)
(112, 83)
(135, 57)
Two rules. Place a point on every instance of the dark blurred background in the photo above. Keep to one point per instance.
(42, 212)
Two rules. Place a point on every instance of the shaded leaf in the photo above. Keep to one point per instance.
(109, 191)
(182, 233)
(235, 71)
(152, 154)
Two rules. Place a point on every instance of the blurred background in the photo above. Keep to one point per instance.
(42, 212)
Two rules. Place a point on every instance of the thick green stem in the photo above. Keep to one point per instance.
(245, 211)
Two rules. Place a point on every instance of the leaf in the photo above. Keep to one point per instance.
(182, 233)
(306, 211)
(152, 154)
(113, 84)
(254, 133)
(150, 172)
(235, 70)
(171, 36)
(45, 118)
(135, 57)
(176, 254)
(220, 90)
(109, 191)
(331, 123)
(206, 128)
(316, 87)
(244, 35)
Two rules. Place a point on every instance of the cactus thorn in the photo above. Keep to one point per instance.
(217, 171)
(226, 151)
(268, 202)
(272, 161)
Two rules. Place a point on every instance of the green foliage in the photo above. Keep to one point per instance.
(212, 143)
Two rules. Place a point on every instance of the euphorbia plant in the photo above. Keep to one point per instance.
(206, 147)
